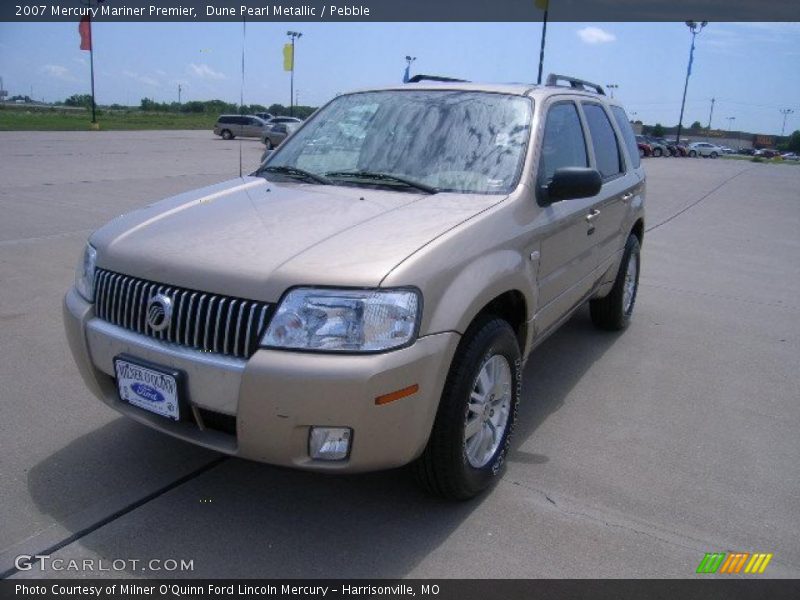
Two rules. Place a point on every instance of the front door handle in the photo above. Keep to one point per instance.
(626, 197)
(592, 215)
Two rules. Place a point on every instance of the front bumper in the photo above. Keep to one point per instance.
(263, 408)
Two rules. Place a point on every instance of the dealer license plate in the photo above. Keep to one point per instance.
(147, 388)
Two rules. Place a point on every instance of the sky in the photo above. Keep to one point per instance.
(750, 68)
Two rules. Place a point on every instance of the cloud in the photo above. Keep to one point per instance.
(595, 35)
(142, 78)
(59, 72)
(205, 72)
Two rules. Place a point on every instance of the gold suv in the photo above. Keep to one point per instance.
(368, 297)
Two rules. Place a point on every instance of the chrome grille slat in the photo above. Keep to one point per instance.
(197, 320)
(249, 329)
(200, 320)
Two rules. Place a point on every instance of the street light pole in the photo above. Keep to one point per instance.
(695, 28)
(730, 127)
(785, 112)
(612, 87)
(294, 35)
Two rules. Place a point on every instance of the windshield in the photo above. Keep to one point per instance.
(455, 141)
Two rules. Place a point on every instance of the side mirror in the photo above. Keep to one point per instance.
(573, 182)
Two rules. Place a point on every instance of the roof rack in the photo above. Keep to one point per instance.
(553, 79)
(421, 77)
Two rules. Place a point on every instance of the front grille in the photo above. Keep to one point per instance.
(200, 320)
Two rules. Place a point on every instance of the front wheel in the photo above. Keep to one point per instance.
(657, 152)
(714, 155)
(614, 312)
(472, 430)
(268, 143)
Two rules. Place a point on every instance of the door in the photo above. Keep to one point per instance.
(610, 205)
(566, 261)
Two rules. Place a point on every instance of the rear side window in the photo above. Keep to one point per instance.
(563, 144)
(604, 141)
(628, 136)
(225, 120)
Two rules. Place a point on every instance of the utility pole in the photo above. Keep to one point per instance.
(179, 95)
(785, 112)
(694, 28)
(294, 35)
(711, 114)
(612, 87)
(730, 128)
(545, 6)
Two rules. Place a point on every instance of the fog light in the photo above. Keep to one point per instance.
(329, 443)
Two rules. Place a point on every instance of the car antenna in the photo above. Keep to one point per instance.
(241, 91)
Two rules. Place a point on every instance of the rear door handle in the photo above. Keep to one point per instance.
(592, 215)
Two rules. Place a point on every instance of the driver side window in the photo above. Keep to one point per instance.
(563, 143)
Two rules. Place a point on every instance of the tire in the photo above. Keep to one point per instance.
(226, 134)
(613, 313)
(453, 465)
(692, 154)
(641, 153)
(658, 152)
(268, 143)
(714, 155)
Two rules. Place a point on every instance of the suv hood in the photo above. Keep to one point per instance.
(253, 239)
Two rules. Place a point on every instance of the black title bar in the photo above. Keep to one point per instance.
(401, 10)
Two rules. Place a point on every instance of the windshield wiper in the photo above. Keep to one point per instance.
(297, 173)
(386, 177)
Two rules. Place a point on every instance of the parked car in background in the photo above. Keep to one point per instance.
(658, 146)
(791, 156)
(645, 149)
(682, 149)
(727, 150)
(704, 149)
(275, 134)
(747, 151)
(766, 153)
(230, 126)
(279, 120)
(265, 115)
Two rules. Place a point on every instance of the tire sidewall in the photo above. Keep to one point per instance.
(632, 252)
(227, 135)
(501, 342)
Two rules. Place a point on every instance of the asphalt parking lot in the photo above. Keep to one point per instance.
(635, 454)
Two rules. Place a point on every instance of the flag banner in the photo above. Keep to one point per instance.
(445, 11)
(85, 29)
(288, 57)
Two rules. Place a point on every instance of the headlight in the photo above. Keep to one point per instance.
(84, 274)
(344, 320)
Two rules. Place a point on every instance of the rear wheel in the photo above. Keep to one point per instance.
(226, 134)
(714, 155)
(692, 154)
(641, 153)
(615, 310)
(476, 415)
(268, 143)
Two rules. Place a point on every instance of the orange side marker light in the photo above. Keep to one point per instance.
(391, 397)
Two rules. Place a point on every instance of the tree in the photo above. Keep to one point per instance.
(696, 125)
(83, 100)
(793, 143)
(658, 130)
